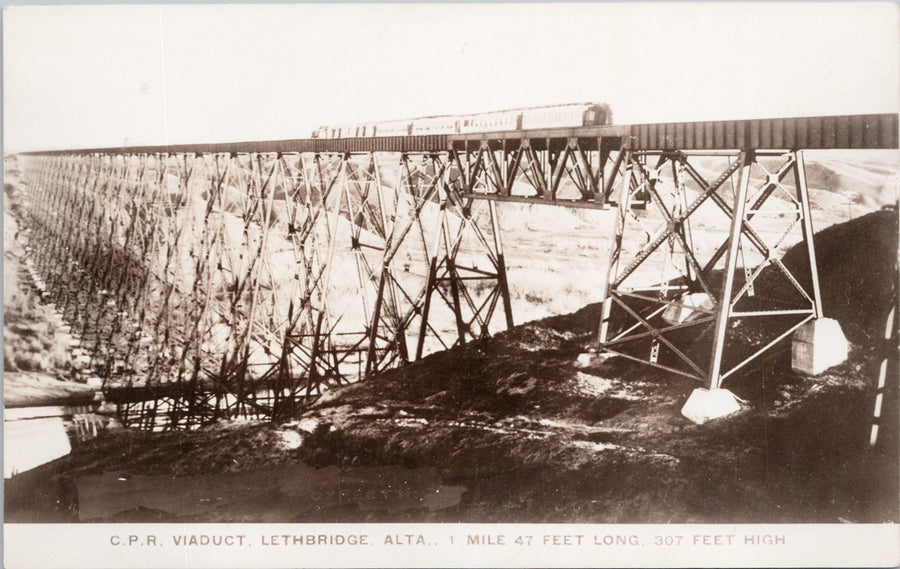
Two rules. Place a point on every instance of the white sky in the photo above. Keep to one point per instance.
(86, 76)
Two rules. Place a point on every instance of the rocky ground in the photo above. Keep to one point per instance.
(515, 429)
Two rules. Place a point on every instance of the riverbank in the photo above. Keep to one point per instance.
(36, 389)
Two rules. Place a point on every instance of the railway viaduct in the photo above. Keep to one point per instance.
(221, 280)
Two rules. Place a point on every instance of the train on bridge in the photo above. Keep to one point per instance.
(553, 116)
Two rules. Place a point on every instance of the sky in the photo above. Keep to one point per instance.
(110, 75)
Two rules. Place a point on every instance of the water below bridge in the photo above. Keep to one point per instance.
(33, 436)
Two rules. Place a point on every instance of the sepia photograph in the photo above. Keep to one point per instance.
(451, 284)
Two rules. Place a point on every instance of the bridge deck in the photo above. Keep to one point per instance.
(795, 133)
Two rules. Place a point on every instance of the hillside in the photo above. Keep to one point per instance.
(37, 362)
(515, 429)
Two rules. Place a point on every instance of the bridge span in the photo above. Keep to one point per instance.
(221, 280)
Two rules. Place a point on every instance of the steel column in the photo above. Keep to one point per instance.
(806, 221)
(724, 305)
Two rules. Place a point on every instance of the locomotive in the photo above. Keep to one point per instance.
(553, 116)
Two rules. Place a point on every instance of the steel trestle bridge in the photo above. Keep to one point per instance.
(219, 280)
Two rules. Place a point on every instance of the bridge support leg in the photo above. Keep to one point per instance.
(616, 252)
(819, 344)
(467, 273)
(806, 224)
(704, 405)
(502, 282)
(725, 306)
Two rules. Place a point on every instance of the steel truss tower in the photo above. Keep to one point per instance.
(205, 286)
(758, 202)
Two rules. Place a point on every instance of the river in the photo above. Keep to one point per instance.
(33, 436)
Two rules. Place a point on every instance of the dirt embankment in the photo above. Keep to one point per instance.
(533, 436)
(37, 358)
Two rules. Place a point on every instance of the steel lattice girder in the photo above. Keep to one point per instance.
(222, 285)
(711, 290)
(570, 171)
(783, 133)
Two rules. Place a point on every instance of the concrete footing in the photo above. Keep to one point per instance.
(817, 346)
(707, 404)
